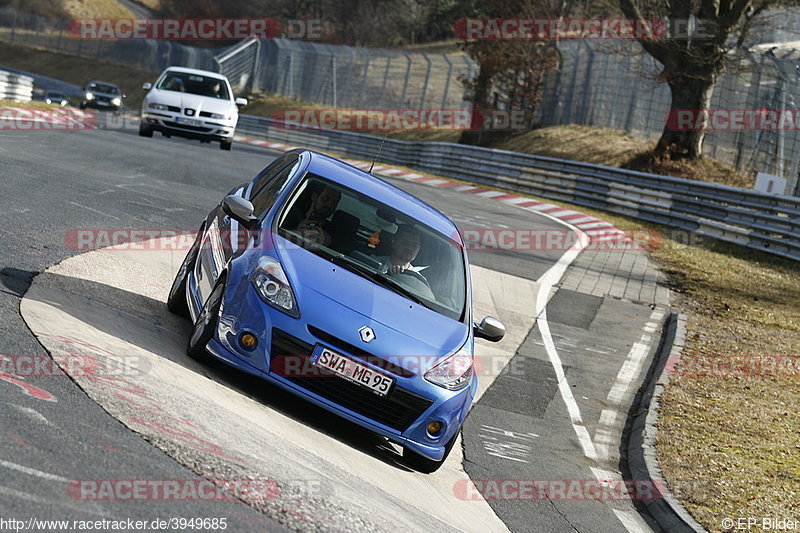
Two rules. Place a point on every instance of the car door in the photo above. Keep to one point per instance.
(224, 237)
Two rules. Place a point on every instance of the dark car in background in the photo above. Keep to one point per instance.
(56, 98)
(102, 95)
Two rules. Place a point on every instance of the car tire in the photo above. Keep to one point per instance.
(225, 145)
(206, 324)
(420, 463)
(176, 301)
(145, 131)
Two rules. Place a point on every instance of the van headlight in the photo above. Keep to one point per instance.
(89, 96)
(116, 101)
(160, 107)
(273, 287)
(220, 116)
(455, 371)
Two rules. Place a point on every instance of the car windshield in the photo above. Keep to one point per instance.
(194, 84)
(377, 242)
(103, 88)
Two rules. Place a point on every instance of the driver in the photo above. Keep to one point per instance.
(405, 247)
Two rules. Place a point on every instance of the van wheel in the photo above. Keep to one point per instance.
(225, 145)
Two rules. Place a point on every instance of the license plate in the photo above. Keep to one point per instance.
(187, 121)
(100, 102)
(352, 370)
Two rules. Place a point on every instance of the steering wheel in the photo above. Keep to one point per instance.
(413, 274)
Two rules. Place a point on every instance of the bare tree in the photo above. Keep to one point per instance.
(692, 63)
(511, 73)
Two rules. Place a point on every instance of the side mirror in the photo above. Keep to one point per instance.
(241, 102)
(239, 209)
(490, 329)
(147, 86)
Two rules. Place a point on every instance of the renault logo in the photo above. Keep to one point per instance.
(366, 334)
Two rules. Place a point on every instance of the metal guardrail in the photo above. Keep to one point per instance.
(757, 220)
(15, 87)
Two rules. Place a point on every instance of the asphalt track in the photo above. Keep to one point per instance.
(523, 427)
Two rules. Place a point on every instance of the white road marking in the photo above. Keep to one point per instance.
(592, 225)
(33, 472)
(94, 210)
(547, 281)
(626, 376)
(632, 521)
(80, 507)
(32, 413)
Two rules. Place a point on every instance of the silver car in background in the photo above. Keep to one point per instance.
(191, 103)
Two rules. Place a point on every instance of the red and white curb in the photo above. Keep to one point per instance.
(596, 229)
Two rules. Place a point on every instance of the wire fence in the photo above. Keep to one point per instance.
(339, 76)
(364, 78)
(618, 87)
(612, 86)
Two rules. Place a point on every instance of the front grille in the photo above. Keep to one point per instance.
(360, 353)
(205, 114)
(187, 127)
(174, 108)
(397, 410)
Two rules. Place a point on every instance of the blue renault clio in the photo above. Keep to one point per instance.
(345, 290)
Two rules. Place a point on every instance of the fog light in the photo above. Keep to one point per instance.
(248, 341)
(434, 428)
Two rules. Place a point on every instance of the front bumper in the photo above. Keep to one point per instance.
(201, 128)
(100, 104)
(402, 416)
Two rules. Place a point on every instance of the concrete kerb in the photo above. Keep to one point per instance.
(668, 512)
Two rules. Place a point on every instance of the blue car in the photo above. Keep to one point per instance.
(345, 290)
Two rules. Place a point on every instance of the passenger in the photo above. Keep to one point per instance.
(311, 222)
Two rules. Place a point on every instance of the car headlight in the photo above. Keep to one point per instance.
(161, 107)
(89, 96)
(116, 101)
(455, 371)
(219, 116)
(273, 287)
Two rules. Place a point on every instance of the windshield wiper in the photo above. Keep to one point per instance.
(378, 277)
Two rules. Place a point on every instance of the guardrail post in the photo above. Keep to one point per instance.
(385, 75)
(427, 80)
(405, 81)
(447, 81)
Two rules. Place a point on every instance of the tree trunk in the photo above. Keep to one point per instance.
(480, 105)
(687, 94)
